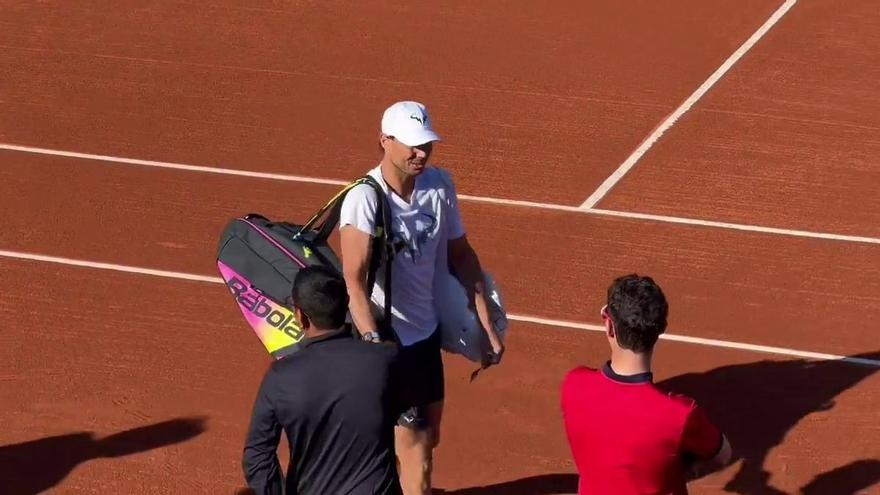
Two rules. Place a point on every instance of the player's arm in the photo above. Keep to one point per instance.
(466, 264)
(356, 247)
(697, 468)
(262, 471)
(705, 447)
(357, 222)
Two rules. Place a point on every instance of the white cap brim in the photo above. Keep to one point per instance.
(418, 138)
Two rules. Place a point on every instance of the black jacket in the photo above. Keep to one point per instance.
(335, 400)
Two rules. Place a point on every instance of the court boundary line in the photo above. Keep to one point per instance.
(724, 344)
(467, 197)
(686, 105)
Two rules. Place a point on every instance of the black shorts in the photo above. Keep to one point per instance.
(422, 381)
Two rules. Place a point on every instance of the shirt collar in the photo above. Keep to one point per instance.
(638, 378)
(343, 332)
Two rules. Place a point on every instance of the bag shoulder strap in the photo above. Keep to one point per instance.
(382, 250)
(383, 253)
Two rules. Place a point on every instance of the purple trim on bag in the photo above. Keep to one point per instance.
(292, 256)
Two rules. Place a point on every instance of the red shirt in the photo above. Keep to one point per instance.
(629, 437)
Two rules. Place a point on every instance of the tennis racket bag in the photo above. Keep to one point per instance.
(258, 260)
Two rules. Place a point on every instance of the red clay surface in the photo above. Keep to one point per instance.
(173, 358)
(563, 92)
(789, 138)
(758, 289)
(163, 371)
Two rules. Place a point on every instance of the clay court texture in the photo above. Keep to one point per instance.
(729, 149)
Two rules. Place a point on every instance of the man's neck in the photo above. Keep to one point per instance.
(313, 332)
(625, 362)
(397, 181)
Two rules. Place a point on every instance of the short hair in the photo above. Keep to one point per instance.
(638, 309)
(320, 293)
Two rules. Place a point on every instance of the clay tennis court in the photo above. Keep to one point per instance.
(728, 149)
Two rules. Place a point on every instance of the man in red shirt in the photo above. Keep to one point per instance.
(626, 435)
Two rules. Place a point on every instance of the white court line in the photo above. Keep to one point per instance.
(466, 197)
(108, 266)
(630, 162)
(735, 226)
(515, 317)
(173, 166)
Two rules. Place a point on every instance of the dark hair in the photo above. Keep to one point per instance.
(321, 294)
(638, 309)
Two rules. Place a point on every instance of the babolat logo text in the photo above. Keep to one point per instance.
(258, 305)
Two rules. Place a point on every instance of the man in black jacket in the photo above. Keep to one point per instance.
(335, 400)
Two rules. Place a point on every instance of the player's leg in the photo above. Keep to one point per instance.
(412, 445)
(416, 437)
(433, 417)
(418, 430)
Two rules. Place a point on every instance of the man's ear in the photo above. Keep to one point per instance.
(606, 319)
(301, 317)
(385, 141)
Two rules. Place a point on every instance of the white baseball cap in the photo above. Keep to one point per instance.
(408, 122)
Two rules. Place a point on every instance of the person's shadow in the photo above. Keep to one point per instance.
(33, 467)
(547, 484)
(851, 478)
(756, 404)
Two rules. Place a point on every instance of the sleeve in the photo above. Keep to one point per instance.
(455, 227)
(572, 412)
(570, 384)
(564, 391)
(359, 209)
(700, 438)
(262, 471)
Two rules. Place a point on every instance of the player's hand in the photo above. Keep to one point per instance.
(493, 356)
(498, 350)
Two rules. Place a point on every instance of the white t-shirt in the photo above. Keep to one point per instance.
(420, 230)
